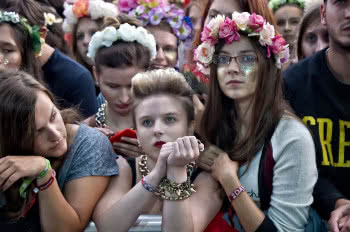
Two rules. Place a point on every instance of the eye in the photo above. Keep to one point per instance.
(295, 21)
(247, 59)
(311, 38)
(80, 36)
(53, 116)
(6, 50)
(170, 119)
(280, 23)
(147, 123)
(222, 59)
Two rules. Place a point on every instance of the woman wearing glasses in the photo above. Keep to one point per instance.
(263, 156)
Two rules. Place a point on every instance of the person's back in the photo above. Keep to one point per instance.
(318, 89)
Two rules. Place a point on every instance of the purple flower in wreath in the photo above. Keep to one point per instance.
(184, 32)
(140, 10)
(175, 22)
(156, 15)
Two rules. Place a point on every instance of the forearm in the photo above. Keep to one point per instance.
(177, 215)
(250, 216)
(125, 212)
(56, 214)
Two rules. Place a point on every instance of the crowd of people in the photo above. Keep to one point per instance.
(218, 115)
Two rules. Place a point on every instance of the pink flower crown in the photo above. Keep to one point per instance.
(222, 27)
(154, 11)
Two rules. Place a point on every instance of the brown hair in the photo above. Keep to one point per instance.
(162, 81)
(220, 123)
(34, 12)
(18, 96)
(122, 53)
(259, 7)
(310, 16)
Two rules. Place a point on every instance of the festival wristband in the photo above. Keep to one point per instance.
(43, 173)
(236, 193)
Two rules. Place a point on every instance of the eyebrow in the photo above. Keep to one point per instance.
(150, 116)
(7, 44)
(215, 11)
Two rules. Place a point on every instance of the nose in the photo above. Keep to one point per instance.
(125, 95)
(160, 57)
(287, 27)
(86, 40)
(54, 133)
(158, 128)
(233, 67)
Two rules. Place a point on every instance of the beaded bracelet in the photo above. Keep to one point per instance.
(47, 184)
(236, 193)
(148, 187)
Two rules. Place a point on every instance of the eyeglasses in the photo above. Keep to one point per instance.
(247, 60)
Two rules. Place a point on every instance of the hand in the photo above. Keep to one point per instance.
(13, 168)
(129, 147)
(340, 219)
(198, 109)
(224, 169)
(183, 151)
(206, 158)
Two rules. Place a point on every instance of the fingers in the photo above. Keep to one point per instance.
(106, 131)
(127, 149)
(5, 176)
(10, 180)
(130, 140)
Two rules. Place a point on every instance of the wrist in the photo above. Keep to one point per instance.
(154, 178)
(46, 166)
(177, 174)
(230, 183)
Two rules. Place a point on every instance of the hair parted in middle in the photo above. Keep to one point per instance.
(122, 53)
(163, 81)
(220, 123)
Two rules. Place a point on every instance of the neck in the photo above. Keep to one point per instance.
(116, 121)
(46, 53)
(338, 60)
(244, 108)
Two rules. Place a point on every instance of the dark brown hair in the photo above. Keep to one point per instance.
(121, 53)
(162, 81)
(259, 7)
(34, 12)
(18, 96)
(220, 124)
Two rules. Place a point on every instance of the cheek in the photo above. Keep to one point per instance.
(171, 58)
(221, 73)
(249, 73)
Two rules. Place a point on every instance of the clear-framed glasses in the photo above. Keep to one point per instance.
(246, 60)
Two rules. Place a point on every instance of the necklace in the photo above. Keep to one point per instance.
(145, 171)
(101, 116)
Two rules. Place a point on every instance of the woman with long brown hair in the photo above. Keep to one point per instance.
(53, 169)
(264, 157)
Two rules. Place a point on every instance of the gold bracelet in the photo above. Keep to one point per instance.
(172, 191)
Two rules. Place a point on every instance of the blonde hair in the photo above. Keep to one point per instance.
(163, 81)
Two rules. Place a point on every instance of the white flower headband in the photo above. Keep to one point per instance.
(276, 4)
(125, 32)
(222, 27)
(81, 8)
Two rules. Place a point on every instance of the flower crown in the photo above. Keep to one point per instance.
(276, 4)
(74, 10)
(222, 27)
(33, 31)
(154, 11)
(125, 32)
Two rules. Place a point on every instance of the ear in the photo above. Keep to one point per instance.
(95, 75)
(191, 128)
(323, 13)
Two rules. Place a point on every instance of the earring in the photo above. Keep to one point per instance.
(6, 61)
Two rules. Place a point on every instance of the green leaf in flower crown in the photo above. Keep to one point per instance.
(36, 39)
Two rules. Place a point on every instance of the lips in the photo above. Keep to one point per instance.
(157, 66)
(159, 144)
(57, 144)
(234, 82)
(122, 106)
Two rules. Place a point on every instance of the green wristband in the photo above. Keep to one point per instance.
(43, 173)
